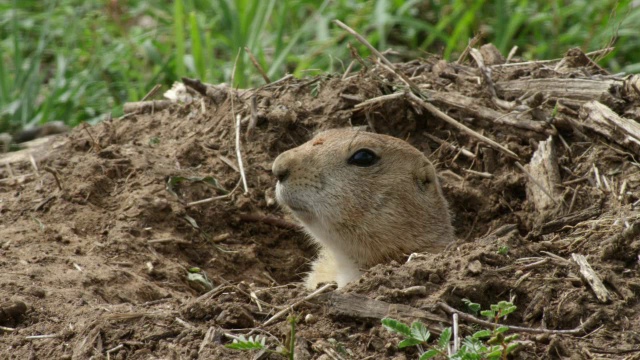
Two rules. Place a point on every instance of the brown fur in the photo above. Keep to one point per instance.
(362, 216)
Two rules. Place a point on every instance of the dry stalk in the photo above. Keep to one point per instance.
(486, 72)
(346, 72)
(485, 175)
(449, 145)
(152, 92)
(237, 288)
(96, 146)
(511, 54)
(280, 81)
(451, 121)
(55, 176)
(35, 337)
(314, 294)
(535, 62)
(404, 78)
(592, 320)
(237, 126)
(456, 331)
(253, 121)
(472, 43)
(257, 65)
(211, 199)
(239, 155)
(379, 99)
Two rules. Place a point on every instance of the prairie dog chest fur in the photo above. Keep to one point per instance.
(364, 198)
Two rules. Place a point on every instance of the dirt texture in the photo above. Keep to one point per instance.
(99, 233)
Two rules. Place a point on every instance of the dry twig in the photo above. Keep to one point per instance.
(55, 176)
(451, 121)
(317, 292)
(257, 65)
(592, 320)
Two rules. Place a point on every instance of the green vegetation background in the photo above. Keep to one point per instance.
(75, 60)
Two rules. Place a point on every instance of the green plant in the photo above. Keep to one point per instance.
(473, 308)
(116, 51)
(503, 250)
(251, 343)
(260, 342)
(497, 345)
(418, 335)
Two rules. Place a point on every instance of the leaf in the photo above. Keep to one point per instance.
(512, 347)
(444, 339)
(191, 221)
(472, 345)
(501, 329)
(481, 334)
(429, 354)
(213, 182)
(505, 308)
(199, 281)
(396, 327)
(503, 250)
(408, 342)
(488, 313)
(496, 339)
(511, 338)
(242, 343)
(172, 181)
(495, 353)
(473, 307)
(508, 310)
(419, 331)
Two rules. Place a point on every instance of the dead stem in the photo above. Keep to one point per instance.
(152, 92)
(55, 176)
(257, 65)
(316, 293)
(580, 329)
(404, 78)
(451, 121)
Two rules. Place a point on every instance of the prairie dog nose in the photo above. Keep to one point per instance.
(281, 167)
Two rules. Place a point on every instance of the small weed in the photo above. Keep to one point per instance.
(503, 250)
(472, 307)
(497, 345)
(154, 141)
(251, 343)
(260, 342)
(315, 90)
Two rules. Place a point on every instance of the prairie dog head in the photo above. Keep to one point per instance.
(364, 197)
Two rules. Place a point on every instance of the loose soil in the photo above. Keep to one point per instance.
(101, 260)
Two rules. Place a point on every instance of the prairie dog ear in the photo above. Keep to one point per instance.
(425, 174)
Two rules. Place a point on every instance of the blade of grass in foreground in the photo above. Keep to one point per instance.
(178, 21)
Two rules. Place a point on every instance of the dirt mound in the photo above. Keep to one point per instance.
(100, 236)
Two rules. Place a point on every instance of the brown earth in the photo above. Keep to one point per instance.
(101, 260)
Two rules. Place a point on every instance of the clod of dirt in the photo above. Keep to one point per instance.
(11, 313)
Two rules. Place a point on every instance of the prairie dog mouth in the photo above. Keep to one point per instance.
(285, 198)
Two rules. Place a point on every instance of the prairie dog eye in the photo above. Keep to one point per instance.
(363, 158)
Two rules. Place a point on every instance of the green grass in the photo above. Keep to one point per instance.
(75, 60)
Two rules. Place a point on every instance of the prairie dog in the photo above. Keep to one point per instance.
(364, 198)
